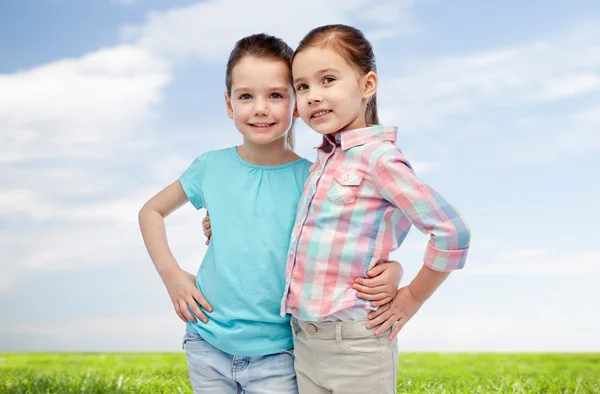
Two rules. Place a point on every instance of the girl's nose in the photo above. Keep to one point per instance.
(312, 99)
(261, 109)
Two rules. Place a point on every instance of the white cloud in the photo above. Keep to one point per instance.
(432, 90)
(126, 2)
(582, 131)
(537, 262)
(478, 102)
(193, 30)
(568, 85)
(108, 234)
(79, 107)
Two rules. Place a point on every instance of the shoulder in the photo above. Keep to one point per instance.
(373, 152)
(304, 165)
(214, 156)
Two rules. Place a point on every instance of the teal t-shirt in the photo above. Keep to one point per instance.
(252, 212)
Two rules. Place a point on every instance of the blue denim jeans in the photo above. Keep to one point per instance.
(213, 371)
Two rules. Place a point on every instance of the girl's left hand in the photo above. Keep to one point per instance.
(382, 285)
(399, 311)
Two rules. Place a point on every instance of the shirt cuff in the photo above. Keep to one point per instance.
(445, 260)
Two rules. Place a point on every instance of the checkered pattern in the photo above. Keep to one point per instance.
(358, 204)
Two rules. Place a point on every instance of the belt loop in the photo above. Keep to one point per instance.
(342, 345)
(294, 325)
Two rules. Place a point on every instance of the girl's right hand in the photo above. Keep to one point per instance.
(206, 227)
(185, 296)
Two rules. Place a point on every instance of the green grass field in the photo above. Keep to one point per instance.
(417, 373)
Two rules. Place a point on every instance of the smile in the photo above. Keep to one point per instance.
(262, 125)
(320, 114)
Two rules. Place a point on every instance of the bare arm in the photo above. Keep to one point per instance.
(181, 285)
(426, 283)
(152, 224)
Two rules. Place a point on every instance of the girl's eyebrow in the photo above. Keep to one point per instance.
(328, 70)
(323, 71)
(246, 88)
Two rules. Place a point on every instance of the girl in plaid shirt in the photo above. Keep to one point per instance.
(360, 199)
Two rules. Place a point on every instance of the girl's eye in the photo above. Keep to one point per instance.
(302, 86)
(276, 96)
(245, 96)
(328, 79)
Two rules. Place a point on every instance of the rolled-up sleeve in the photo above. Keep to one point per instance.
(426, 209)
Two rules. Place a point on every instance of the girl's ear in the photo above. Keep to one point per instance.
(369, 85)
(296, 114)
(229, 106)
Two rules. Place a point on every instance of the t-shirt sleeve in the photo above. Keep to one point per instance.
(191, 181)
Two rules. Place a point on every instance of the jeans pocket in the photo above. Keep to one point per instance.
(190, 337)
(289, 352)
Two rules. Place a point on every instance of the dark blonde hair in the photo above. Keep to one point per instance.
(353, 46)
(261, 46)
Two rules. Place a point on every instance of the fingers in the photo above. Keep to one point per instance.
(369, 290)
(183, 307)
(395, 331)
(372, 297)
(178, 311)
(386, 325)
(378, 311)
(378, 281)
(207, 229)
(193, 306)
(380, 319)
(382, 302)
(376, 270)
(202, 301)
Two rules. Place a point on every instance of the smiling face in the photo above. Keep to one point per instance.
(262, 101)
(331, 95)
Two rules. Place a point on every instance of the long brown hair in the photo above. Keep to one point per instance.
(353, 46)
(261, 46)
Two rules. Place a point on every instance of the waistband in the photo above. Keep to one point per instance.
(331, 329)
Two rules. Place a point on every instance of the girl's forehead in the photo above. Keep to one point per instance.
(250, 63)
(318, 58)
(252, 69)
(260, 74)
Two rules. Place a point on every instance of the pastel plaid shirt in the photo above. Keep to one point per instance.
(359, 201)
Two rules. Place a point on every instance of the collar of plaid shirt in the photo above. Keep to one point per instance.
(351, 138)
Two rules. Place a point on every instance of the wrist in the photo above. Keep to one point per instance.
(167, 270)
(419, 298)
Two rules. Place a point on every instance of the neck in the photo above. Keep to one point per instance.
(355, 124)
(272, 154)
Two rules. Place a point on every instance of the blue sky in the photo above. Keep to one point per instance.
(103, 103)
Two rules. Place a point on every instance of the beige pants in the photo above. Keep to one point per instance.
(343, 358)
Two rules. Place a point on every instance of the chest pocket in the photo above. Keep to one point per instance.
(345, 185)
